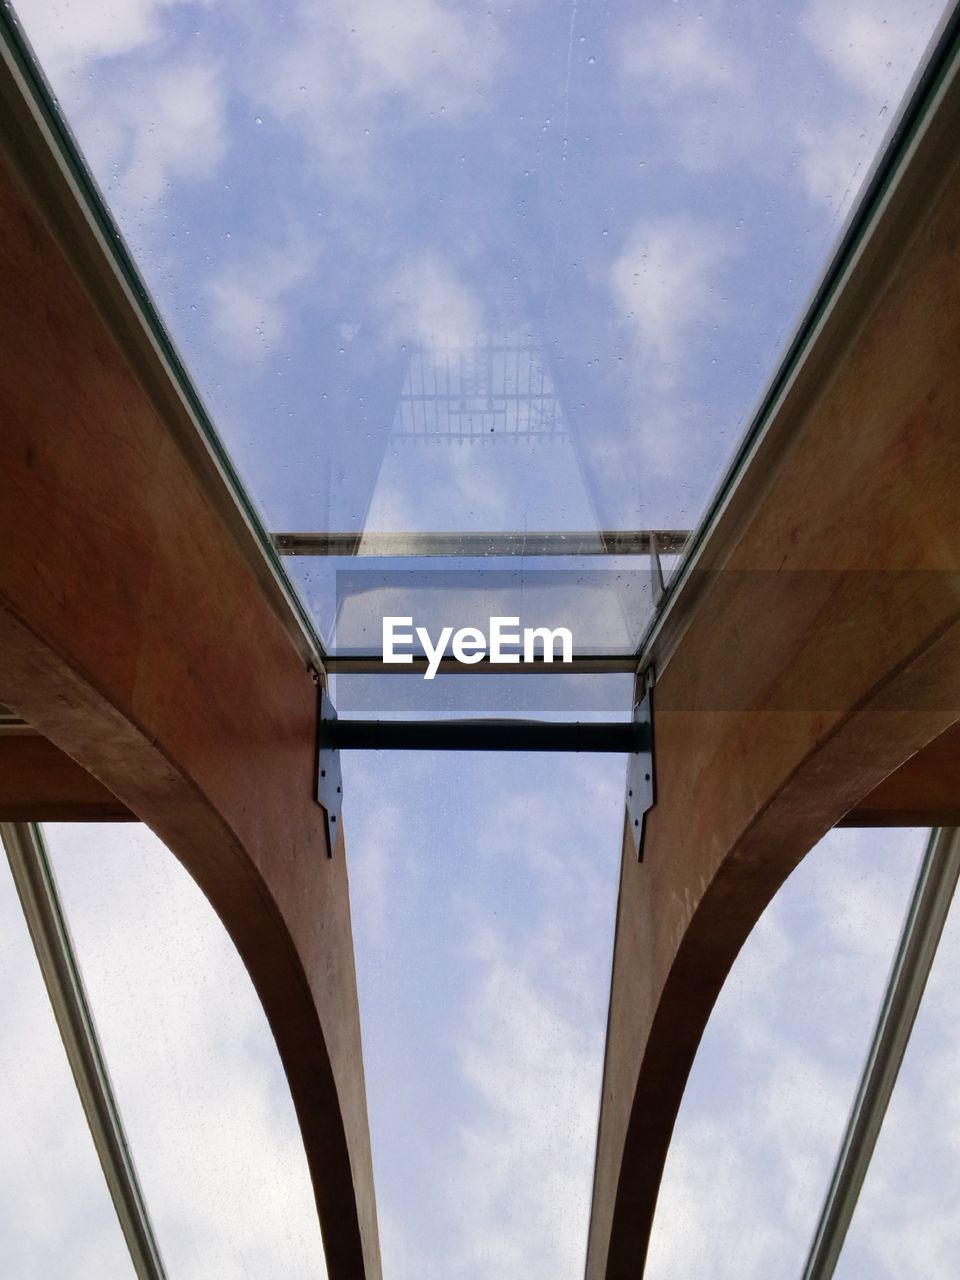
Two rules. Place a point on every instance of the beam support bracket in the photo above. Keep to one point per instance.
(329, 777)
(633, 738)
(641, 777)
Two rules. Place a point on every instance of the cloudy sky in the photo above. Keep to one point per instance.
(323, 199)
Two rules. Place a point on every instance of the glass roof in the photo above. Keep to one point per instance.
(481, 300)
(197, 1076)
(56, 1217)
(509, 269)
(764, 1109)
(905, 1223)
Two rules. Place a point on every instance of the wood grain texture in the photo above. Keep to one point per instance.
(39, 783)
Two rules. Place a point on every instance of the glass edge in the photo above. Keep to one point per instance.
(939, 55)
(14, 36)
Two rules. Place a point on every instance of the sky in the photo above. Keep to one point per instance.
(324, 199)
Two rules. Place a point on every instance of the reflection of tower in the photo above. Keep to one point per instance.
(478, 441)
(476, 389)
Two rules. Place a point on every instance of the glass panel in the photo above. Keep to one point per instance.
(556, 697)
(484, 892)
(197, 1076)
(775, 1075)
(56, 1216)
(604, 608)
(463, 268)
(905, 1225)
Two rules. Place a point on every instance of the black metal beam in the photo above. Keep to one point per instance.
(582, 664)
(484, 735)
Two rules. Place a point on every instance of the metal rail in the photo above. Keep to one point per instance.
(348, 663)
(484, 735)
(912, 963)
(33, 876)
(583, 542)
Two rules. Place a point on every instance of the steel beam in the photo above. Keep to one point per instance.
(582, 664)
(623, 736)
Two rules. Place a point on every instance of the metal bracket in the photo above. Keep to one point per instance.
(641, 778)
(329, 778)
(635, 738)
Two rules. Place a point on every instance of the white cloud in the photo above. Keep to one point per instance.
(873, 45)
(716, 106)
(177, 128)
(483, 1017)
(663, 283)
(696, 87)
(251, 301)
(872, 48)
(356, 66)
(425, 299)
(524, 1172)
(165, 120)
(530, 1040)
(140, 144)
(68, 37)
(669, 56)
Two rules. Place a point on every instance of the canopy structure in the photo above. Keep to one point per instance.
(746, 676)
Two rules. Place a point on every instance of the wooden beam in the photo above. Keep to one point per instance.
(923, 792)
(814, 651)
(141, 634)
(40, 783)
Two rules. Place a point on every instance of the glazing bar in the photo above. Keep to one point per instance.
(33, 876)
(912, 963)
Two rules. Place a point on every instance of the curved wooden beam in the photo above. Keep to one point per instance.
(821, 653)
(139, 636)
(40, 783)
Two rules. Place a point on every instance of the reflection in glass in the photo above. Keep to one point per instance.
(484, 891)
(194, 1066)
(776, 1072)
(56, 1216)
(479, 432)
(454, 267)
